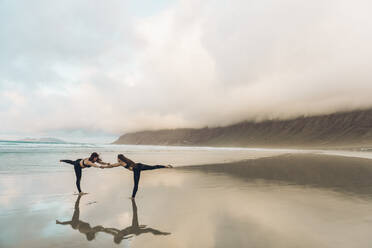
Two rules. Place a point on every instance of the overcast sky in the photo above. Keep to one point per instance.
(89, 70)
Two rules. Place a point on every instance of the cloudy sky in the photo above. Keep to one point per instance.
(89, 70)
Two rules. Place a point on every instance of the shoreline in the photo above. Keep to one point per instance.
(339, 173)
(279, 146)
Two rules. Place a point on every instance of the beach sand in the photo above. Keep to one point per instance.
(291, 200)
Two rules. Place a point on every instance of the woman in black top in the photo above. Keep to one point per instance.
(79, 164)
(136, 168)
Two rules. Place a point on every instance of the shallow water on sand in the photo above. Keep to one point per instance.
(178, 208)
(181, 207)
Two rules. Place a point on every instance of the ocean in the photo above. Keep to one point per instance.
(27, 157)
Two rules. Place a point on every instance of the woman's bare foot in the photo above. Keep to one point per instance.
(169, 166)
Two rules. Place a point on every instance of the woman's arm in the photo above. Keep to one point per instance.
(112, 165)
(112, 231)
(103, 163)
(87, 162)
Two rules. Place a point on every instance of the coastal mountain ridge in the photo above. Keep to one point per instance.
(343, 129)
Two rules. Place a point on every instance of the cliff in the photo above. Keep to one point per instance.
(346, 129)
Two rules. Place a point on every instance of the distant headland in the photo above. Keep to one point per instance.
(337, 130)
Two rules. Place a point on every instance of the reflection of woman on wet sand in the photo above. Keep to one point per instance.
(82, 226)
(135, 229)
(119, 235)
(136, 168)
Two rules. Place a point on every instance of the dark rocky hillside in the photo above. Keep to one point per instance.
(346, 129)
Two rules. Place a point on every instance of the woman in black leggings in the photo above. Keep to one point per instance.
(136, 168)
(79, 164)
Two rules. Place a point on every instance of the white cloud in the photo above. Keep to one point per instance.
(84, 65)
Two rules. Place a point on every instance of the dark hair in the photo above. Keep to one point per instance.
(90, 236)
(117, 240)
(93, 156)
(121, 157)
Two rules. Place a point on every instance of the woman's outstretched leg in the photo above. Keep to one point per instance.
(136, 177)
(67, 161)
(152, 167)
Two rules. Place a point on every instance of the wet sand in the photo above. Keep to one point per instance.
(346, 174)
(297, 200)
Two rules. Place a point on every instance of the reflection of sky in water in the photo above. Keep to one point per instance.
(198, 209)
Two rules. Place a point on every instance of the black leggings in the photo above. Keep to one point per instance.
(137, 173)
(77, 169)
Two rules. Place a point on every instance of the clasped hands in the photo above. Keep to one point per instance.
(102, 167)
